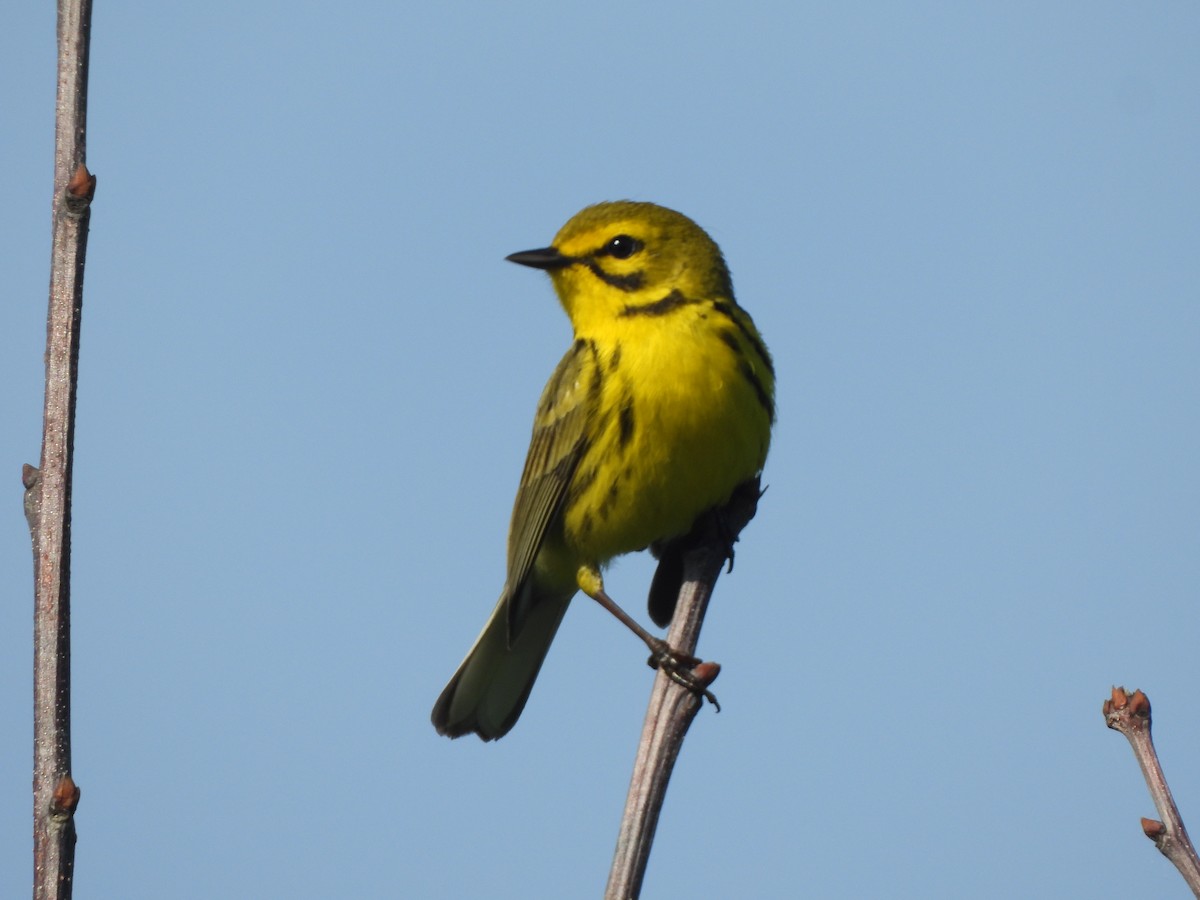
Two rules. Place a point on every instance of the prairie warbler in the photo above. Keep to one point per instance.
(661, 407)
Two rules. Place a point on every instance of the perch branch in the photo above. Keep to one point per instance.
(1130, 715)
(673, 706)
(48, 488)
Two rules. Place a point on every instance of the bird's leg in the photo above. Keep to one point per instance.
(675, 665)
(727, 535)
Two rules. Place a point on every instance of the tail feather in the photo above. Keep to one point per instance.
(489, 690)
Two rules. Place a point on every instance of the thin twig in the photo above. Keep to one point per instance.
(48, 489)
(1130, 715)
(673, 706)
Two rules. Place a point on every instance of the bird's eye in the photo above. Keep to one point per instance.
(622, 247)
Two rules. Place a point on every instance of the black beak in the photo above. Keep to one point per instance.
(546, 258)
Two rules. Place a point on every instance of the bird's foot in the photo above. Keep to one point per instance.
(686, 671)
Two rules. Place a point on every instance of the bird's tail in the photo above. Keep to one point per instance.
(489, 690)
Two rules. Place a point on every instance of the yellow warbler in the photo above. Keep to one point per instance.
(660, 408)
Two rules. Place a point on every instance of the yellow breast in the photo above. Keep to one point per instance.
(687, 427)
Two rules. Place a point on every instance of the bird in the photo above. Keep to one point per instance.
(661, 407)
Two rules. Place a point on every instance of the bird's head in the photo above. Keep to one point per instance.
(615, 255)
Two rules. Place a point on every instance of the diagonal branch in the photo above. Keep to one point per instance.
(672, 706)
(1130, 715)
(48, 489)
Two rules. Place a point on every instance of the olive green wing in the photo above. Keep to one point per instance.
(560, 437)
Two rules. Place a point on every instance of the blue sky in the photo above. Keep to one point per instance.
(967, 232)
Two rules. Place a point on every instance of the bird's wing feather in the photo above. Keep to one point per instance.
(560, 437)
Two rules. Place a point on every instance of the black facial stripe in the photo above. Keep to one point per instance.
(627, 283)
(672, 301)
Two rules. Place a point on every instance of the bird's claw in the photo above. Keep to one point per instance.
(680, 668)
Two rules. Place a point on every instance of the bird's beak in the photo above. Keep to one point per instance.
(546, 258)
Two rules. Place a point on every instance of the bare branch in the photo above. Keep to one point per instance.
(48, 489)
(673, 706)
(1130, 715)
